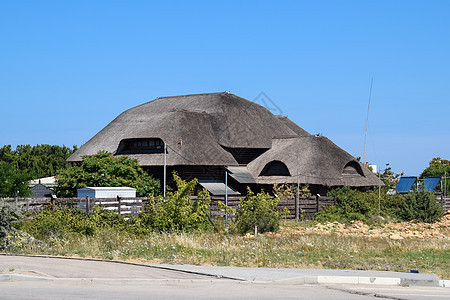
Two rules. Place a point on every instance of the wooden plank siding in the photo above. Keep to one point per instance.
(445, 201)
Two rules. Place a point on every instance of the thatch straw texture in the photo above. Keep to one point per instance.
(198, 130)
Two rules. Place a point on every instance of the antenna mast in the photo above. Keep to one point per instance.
(367, 121)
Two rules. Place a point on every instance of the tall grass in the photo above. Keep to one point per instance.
(268, 250)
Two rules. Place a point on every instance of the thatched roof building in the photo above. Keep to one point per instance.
(206, 132)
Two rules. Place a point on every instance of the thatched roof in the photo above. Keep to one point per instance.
(314, 160)
(201, 129)
(203, 122)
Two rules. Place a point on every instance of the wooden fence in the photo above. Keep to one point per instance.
(445, 201)
(305, 207)
(124, 206)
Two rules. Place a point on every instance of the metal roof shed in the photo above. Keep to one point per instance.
(106, 192)
(217, 188)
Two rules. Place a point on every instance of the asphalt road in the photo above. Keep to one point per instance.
(24, 277)
(121, 290)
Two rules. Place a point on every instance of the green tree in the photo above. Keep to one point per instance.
(38, 161)
(258, 210)
(389, 178)
(13, 182)
(104, 170)
(437, 168)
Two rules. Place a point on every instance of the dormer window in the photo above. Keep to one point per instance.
(352, 168)
(140, 146)
(275, 168)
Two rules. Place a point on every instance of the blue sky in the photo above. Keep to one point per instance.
(68, 68)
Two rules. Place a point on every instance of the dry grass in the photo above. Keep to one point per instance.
(296, 246)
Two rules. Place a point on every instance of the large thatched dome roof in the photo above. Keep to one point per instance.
(213, 129)
(204, 123)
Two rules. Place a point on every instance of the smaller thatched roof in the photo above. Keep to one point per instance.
(312, 160)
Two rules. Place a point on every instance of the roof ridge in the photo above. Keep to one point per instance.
(189, 95)
(179, 96)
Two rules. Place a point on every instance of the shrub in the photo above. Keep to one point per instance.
(10, 215)
(351, 205)
(354, 205)
(57, 223)
(421, 206)
(258, 210)
(177, 212)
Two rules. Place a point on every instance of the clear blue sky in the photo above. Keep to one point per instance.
(68, 68)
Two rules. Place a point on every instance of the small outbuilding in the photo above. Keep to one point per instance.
(106, 192)
(41, 191)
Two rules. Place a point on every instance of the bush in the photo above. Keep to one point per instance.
(354, 205)
(10, 215)
(351, 205)
(422, 207)
(178, 212)
(51, 223)
(258, 210)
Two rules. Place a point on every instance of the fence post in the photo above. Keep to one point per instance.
(88, 203)
(119, 207)
(317, 203)
(28, 204)
(297, 200)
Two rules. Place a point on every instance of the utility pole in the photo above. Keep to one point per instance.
(297, 200)
(379, 191)
(165, 171)
(226, 199)
(445, 183)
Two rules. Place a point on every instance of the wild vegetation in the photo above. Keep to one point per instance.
(374, 208)
(13, 182)
(258, 210)
(10, 217)
(177, 213)
(37, 161)
(298, 245)
(27, 162)
(438, 167)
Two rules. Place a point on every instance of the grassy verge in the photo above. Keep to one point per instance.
(291, 249)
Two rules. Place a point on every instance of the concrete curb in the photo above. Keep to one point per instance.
(444, 283)
(386, 281)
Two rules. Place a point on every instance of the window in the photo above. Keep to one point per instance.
(275, 168)
(140, 146)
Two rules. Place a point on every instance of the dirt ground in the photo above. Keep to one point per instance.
(394, 231)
